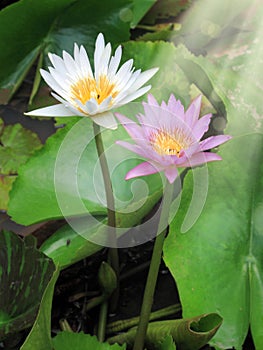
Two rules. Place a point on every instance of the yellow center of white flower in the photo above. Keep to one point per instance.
(165, 143)
(87, 88)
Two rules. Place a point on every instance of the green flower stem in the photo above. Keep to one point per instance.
(64, 325)
(102, 321)
(154, 269)
(113, 252)
(121, 325)
(95, 302)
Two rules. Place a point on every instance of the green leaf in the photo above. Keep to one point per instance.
(217, 264)
(140, 8)
(16, 146)
(212, 32)
(40, 334)
(188, 334)
(81, 341)
(78, 179)
(170, 78)
(5, 187)
(25, 273)
(66, 247)
(164, 9)
(21, 54)
(59, 24)
(167, 344)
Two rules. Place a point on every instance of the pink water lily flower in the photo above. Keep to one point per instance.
(84, 92)
(169, 137)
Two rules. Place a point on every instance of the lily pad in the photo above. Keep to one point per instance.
(17, 144)
(217, 264)
(35, 184)
(68, 341)
(25, 273)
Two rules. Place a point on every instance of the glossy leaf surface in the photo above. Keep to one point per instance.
(81, 341)
(16, 146)
(216, 263)
(25, 273)
(40, 334)
(59, 24)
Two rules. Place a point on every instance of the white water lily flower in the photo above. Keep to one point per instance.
(84, 93)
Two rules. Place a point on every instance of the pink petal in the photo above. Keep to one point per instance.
(201, 158)
(201, 126)
(214, 141)
(142, 169)
(152, 101)
(175, 106)
(131, 127)
(171, 174)
(193, 111)
(133, 148)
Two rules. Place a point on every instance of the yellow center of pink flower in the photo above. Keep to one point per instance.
(87, 88)
(165, 143)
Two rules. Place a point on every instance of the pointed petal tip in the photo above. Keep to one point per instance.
(100, 39)
(57, 110)
(171, 174)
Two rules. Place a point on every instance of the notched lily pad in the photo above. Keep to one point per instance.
(24, 273)
(81, 341)
(16, 146)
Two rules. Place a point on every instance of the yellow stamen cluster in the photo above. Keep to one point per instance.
(165, 143)
(87, 88)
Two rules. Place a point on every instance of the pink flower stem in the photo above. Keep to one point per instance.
(154, 269)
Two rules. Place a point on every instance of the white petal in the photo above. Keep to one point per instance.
(59, 78)
(106, 120)
(68, 105)
(58, 63)
(99, 48)
(143, 78)
(76, 52)
(58, 110)
(70, 65)
(53, 84)
(134, 95)
(134, 76)
(105, 103)
(91, 106)
(124, 70)
(104, 62)
(121, 83)
(85, 63)
(115, 61)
